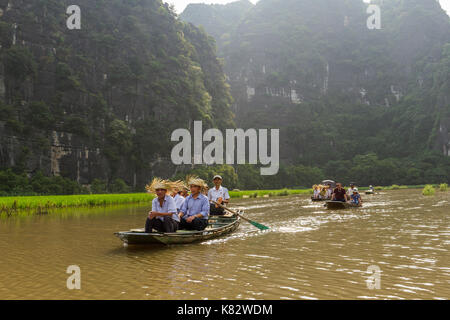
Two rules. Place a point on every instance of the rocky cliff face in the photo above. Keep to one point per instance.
(101, 102)
(220, 20)
(290, 59)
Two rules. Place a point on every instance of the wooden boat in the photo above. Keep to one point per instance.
(370, 192)
(336, 205)
(217, 227)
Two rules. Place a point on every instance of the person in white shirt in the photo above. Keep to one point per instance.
(329, 192)
(164, 216)
(218, 194)
(350, 190)
(316, 192)
(178, 198)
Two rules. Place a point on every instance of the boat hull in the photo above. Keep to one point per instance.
(217, 227)
(338, 205)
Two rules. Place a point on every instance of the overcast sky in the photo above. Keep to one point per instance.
(181, 4)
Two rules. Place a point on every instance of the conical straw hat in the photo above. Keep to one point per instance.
(158, 183)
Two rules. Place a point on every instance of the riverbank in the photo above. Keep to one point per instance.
(45, 204)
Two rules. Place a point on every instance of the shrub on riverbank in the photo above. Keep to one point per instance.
(443, 187)
(429, 190)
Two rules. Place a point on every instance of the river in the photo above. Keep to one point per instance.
(309, 253)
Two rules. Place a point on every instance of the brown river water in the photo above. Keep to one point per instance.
(309, 253)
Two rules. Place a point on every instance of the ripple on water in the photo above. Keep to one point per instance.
(324, 254)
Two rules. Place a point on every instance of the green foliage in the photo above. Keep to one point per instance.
(39, 115)
(443, 187)
(119, 186)
(37, 184)
(429, 190)
(19, 63)
(99, 186)
(6, 34)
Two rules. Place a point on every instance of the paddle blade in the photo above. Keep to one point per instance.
(259, 226)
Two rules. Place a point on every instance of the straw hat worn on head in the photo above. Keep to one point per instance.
(196, 181)
(177, 185)
(158, 183)
(355, 190)
(217, 177)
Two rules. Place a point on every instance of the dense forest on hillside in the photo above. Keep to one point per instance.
(92, 110)
(220, 20)
(345, 96)
(102, 101)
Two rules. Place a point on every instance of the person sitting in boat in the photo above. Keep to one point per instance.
(185, 191)
(164, 216)
(177, 195)
(316, 191)
(218, 194)
(329, 193)
(350, 190)
(205, 190)
(194, 212)
(323, 192)
(371, 188)
(355, 198)
(339, 194)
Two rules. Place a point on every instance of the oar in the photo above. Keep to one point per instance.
(256, 224)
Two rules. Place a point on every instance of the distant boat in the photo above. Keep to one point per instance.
(370, 192)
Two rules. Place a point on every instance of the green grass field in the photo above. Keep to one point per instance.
(43, 204)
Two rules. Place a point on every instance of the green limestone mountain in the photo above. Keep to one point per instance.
(102, 101)
(337, 88)
(220, 20)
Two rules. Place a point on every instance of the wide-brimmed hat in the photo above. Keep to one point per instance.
(178, 186)
(158, 183)
(355, 190)
(195, 181)
(217, 177)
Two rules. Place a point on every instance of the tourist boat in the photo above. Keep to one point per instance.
(217, 226)
(370, 192)
(335, 205)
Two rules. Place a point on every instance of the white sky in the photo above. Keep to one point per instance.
(181, 4)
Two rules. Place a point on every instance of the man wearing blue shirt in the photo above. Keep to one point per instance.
(194, 212)
(164, 216)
